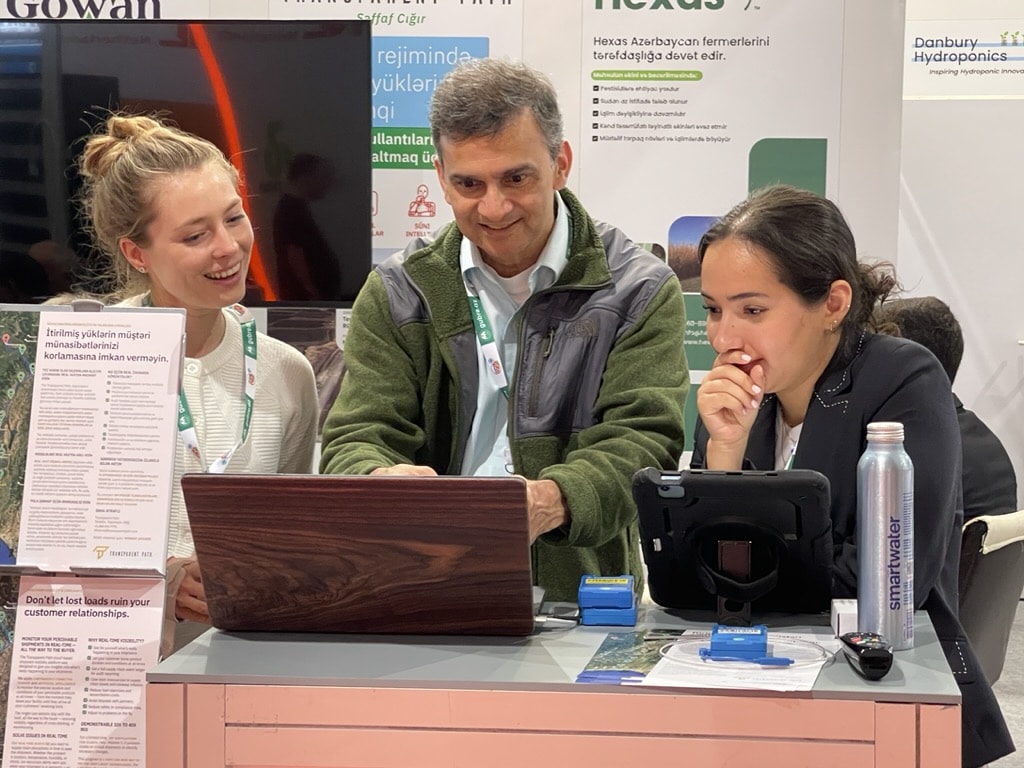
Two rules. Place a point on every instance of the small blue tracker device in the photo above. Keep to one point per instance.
(748, 644)
(739, 641)
(607, 600)
(616, 617)
(606, 592)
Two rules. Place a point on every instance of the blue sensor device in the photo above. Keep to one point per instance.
(606, 592)
(748, 644)
(607, 600)
(739, 641)
(614, 617)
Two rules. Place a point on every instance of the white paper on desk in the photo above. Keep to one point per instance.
(695, 673)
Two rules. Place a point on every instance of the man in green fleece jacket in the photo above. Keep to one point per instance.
(524, 338)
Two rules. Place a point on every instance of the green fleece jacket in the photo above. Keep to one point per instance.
(598, 390)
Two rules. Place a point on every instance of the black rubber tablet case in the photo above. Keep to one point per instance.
(685, 516)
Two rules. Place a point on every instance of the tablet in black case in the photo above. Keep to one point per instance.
(684, 516)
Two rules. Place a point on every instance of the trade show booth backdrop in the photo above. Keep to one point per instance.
(675, 109)
(960, 193)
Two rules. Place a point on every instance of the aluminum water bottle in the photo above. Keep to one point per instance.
(885, 536)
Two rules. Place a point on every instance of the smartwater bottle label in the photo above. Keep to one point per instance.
(895, 568)
(908, 569)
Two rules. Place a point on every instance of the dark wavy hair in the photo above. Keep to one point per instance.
(930, 322)
(810, 246)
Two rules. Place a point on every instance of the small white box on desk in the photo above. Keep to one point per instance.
(844, 616)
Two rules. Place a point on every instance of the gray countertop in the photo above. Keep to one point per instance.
(550, 659)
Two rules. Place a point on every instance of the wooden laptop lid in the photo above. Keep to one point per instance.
(381, 554)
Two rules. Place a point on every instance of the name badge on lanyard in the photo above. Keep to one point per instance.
(487, 342)
(186, 427)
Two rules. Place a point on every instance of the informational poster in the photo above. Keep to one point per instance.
(695, 115)
(88, 408)
(694, 108)
(97, 479)
(413, 48)
(77, 683)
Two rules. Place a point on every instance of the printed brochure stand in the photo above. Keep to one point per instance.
(88, 409)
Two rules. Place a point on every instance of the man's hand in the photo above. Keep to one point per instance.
(546, 506)
(405, 469)
(190, 602)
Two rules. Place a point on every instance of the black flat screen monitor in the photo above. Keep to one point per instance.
(684, 517)
(287, 101)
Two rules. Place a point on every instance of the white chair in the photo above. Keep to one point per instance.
(991, 580)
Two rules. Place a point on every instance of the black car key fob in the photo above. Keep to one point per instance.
(869, 654)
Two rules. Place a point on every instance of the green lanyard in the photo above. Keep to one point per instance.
(488, 344)
(186, 426)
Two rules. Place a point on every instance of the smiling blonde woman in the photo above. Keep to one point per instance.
(164, 206)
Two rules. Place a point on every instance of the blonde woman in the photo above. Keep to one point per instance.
(164, 206)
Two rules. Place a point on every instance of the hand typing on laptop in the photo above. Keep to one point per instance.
(185, 600)
(190, 601)
(545, 503)
(546, 507)
(406, 469)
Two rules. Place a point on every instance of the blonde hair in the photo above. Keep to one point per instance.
(119, 166)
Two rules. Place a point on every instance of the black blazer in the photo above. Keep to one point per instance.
(990, 485)
(893, 379)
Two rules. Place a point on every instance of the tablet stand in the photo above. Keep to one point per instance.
(734, 561)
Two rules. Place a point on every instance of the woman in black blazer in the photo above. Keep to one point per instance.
(799, 376)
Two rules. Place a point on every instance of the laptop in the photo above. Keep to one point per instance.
(363, 554)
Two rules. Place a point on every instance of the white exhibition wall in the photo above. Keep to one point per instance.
(960, 226)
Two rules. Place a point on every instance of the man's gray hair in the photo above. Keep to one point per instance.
(480, 97)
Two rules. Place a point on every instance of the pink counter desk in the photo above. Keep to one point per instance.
(344, 701)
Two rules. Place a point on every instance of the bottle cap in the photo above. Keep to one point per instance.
(885, 431)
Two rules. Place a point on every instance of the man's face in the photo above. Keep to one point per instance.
(501, 190)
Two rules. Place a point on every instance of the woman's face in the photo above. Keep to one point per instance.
(200, 241)
(750, 311)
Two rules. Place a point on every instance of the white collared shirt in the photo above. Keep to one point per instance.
(787, 439)
(502, 298)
